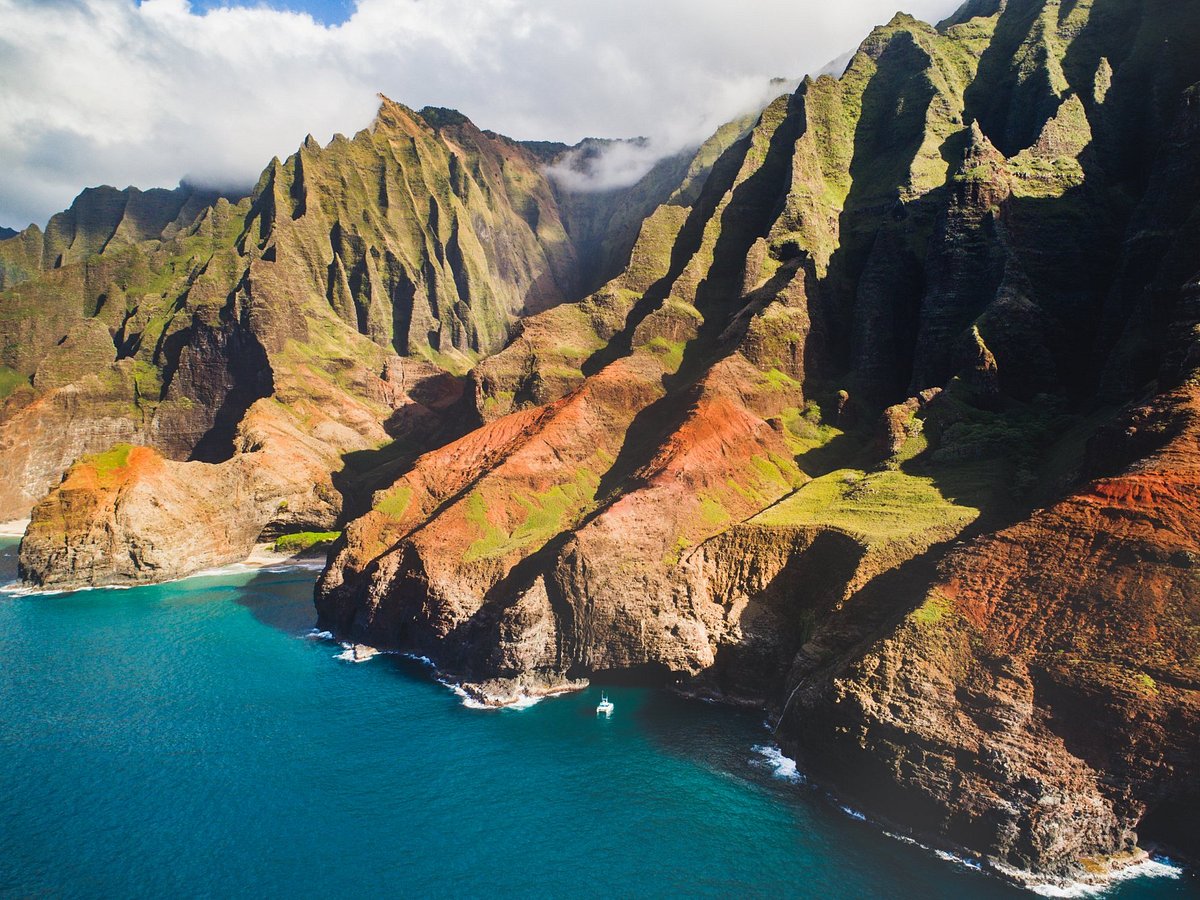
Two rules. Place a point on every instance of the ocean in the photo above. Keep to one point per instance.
(195, 739)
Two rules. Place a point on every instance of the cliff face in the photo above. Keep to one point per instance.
(1042, 700)
(129, 516)
(879, 410)
(831, 443)
(352, 289)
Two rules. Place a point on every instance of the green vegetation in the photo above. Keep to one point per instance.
(501, 400)
(395, 502)
(712, 513)
(546, 514)
(1022, 439)
(10, 380)
(775, 380)
(760, 482)
(671, 559)
(300, 541)
(817, 447)
(1039, 174)
(915, 442)
(678, 308)
(147, 380)
(1146, 683)
(110, 461)
(935, 608)
(106, 466)
(881, 506)
(670, 353)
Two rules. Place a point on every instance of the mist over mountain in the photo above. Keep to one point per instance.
(146, 94)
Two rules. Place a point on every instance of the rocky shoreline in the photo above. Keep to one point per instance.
(1097, 875)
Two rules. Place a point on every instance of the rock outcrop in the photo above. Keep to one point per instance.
(129, 516)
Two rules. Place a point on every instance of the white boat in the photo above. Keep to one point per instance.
(605, 706)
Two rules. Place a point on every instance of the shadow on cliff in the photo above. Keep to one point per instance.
(719, 181)
(753, 206)
(426, 424)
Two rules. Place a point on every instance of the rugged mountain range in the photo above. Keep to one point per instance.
(253, 346)
(881, 410)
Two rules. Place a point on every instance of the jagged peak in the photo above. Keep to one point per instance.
(395, 115)
(1067, 132)
(972, 9)
(978, 143)
(901, 26)
(903, 20)
(92, 191)
(1102, 81)
(982, 171)
(265, 177)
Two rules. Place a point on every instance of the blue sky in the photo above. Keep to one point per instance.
(327, 12)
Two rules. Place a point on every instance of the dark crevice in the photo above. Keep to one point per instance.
(720, 180)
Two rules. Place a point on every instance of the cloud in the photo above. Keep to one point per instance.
(602, 165)
(605, 167)
(107, 91)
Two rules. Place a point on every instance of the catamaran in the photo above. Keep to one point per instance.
(605, 706)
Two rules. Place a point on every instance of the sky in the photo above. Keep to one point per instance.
(150, 93)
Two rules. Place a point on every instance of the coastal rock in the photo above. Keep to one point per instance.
(1041, 704)
(129, 516)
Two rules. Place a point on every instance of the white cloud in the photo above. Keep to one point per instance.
(106, 91)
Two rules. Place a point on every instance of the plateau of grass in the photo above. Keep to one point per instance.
(109, 461)
(300, 541)
(880, 506)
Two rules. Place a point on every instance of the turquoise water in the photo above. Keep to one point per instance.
(188, 740)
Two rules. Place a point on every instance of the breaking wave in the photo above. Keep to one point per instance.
(783, 767)
(1148, 868)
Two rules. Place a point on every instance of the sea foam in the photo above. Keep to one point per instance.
(783, 767)
(1147, 868)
